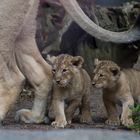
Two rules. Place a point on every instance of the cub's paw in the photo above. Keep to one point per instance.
(113, 122)
(27, 116)
(59, 124)
(69, 119)
(127, 121)
(86, 119)
(69, 122)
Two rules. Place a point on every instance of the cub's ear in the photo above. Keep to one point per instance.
(115, 70)
(51, 59)
(96, 61)
(77, 61)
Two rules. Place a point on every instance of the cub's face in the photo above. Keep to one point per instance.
(106, 74)
(63, 69)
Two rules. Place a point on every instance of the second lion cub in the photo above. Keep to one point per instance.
(72, 86)
(119, 86)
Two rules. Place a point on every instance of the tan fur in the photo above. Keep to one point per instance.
(119, 86)
(20, 59)
(72, 86)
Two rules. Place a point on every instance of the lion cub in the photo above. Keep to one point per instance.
(119, 86)
(72, 86)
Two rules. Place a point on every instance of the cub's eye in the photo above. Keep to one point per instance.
(64, 70)
(101, 75)
(53, 70)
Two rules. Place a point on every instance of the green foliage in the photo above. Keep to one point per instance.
(136, 118)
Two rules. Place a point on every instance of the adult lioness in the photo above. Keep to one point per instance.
(118, 86)
(72, 85)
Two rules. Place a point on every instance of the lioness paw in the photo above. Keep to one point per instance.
(113, 122)
(27, 116)
(59, 124)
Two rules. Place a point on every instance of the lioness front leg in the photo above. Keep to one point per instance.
(39, 74)
(126, 119)
(113, 117)
(70, 110)
(33, 66)
(58, 109)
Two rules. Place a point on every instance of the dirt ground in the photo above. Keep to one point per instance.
(25, 100)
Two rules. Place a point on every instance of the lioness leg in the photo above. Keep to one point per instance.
(85, 110)
(38, 72)
(113, 118)
(70, 110)
(11, 79)
(32, 65)
(11, 83)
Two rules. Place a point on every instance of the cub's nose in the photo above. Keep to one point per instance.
(93, 83)
(58, 81)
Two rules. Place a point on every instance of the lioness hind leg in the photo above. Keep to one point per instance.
(39, 74)
(86, 116)
(11, 84)
(11, 79)
(7, 99)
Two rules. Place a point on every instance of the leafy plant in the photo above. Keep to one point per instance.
(136, 118)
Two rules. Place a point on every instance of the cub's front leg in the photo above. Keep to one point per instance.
(113, 117)
(74, 104)
(126, 119)
(86, 116)
(58, 109)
